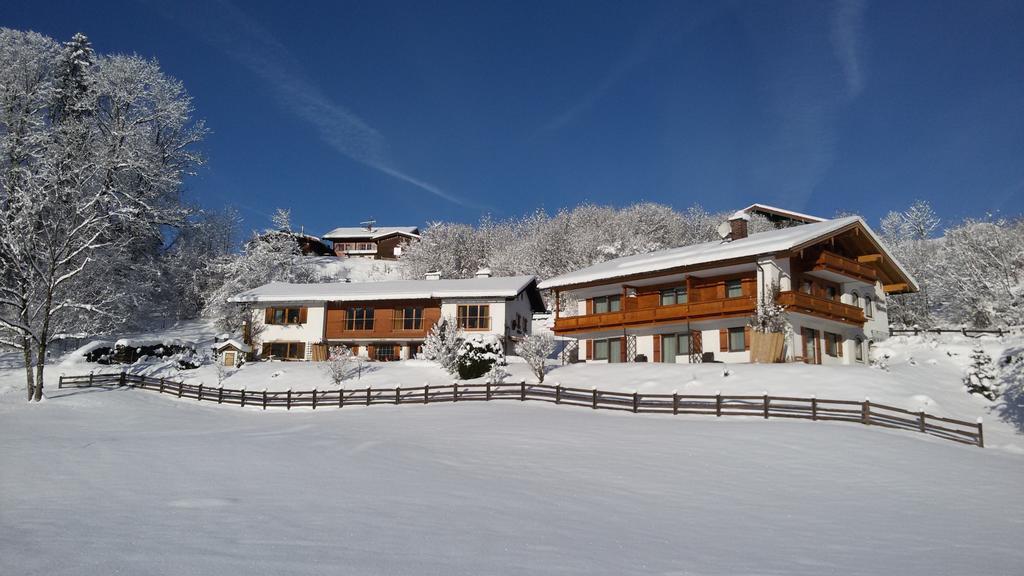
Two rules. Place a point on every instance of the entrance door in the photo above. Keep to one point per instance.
(229, 358)
(669, 348)
(810, 338)
(614, 350)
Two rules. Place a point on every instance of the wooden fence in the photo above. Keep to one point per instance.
(763, 406)
(965, 331)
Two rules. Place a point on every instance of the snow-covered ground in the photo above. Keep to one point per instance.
(357, 269)
(103, 481)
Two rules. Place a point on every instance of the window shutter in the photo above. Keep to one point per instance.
(302, 315)
(590, 305)
(301, 349)
(622, 349)
(839, 345)
(698, 344)
(746, 337)
(590, 348)
(268, 316)
(657, 347)
(723, 339)
(370, 351)
(266, 349)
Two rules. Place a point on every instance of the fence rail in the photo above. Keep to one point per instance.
(763, 406)
(964, 331)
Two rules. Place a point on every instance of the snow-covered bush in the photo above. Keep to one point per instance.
(477, 354)
(535, 350)
(339, 363)
(770, 316)
(980, 377)
(442, 345)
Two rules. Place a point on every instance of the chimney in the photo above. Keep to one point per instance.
(484, 272)
(432, 275)
(738, 225)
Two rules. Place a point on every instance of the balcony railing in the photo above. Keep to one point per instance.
(821, 307)
(630, 317)
(832, 262)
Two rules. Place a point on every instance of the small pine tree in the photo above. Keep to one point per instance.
(980, 377)
(442, 345)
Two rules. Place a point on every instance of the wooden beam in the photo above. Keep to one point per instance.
(869, 258)
(901, 287)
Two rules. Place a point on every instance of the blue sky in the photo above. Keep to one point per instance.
(411, 112)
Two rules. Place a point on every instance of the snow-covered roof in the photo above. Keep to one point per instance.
(240, 346)
(507, 287)
(765, 243)
(362, 232)
(783, 212)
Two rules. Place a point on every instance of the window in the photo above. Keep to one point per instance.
(285, 350)
(673, 345)
(831, 344)
(610, 350)
(737, 339)
(604, 304)
(359, 318)
(385, 352)
(810, 338)
(858, 351)
(733, 288)
(854, 299)
(284, 316)
(868, 307)
(807, 287)
(830, 292)
(408, 318)
(674, 296)
(473, 316)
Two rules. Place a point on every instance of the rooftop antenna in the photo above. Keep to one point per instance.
(725, 231)
(369, 223)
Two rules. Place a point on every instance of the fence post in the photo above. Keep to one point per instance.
(675, 402)
(367, 395)
(921, 425)
(180, 388)
(199, 395)
(981, 433)
(220, 394)
(718, 403)
(636, 402)
(341, 397)
(487, 394)
(264, 398)
(398, 394)
(558, 393)
(121, 382)
(426, 393)
(522, 390)
(90, 378)
(288, 400)
(161, 385)
(865, 411)
(314, 398)
(455, 391)
(243, 397)
(766, 404)
(60, 382)
(814, 407)
(593, 403)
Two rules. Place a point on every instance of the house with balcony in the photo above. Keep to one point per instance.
(371, 241)
(384, 320)
(694, 303)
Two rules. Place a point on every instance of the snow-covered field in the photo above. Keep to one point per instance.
(107, 481)
(357, 269)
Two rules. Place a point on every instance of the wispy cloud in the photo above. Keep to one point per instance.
(847, 31)
(235, 33)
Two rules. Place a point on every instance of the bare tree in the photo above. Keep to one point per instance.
(535, 349)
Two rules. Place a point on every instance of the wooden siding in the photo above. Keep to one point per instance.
(724, 308)
(383, 319)
(821, 307)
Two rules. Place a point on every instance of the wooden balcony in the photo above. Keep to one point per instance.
(832, 262)
(633, 318)
(821, 307)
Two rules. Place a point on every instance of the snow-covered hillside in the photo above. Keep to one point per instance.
(356, 269)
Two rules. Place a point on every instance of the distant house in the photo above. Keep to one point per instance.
(308, 245)
(694, 303)
(780, 216)
(379, 243)
(385, 320)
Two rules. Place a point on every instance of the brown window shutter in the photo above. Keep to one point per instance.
(370, 351)
(746, 337)
(266, 349)
(839, 345)
(590, 349)
(698, 344)
(590, 305)
(723, 339)
(268, 316)
(355, 350)
(302, 315)
(657, 347)
(622, 349)
(301, 349)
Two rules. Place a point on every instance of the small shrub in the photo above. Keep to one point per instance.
(477, 355)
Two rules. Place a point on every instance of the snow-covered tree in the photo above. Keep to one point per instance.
(478, 354)
(442, 345)
(93, 150)
(770, 316)
(980, 377)
(282, 219)
(535, 349)
(339, 363)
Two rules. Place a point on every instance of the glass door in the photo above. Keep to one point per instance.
(810, 346)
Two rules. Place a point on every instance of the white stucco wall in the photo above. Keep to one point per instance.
(310, 332)
(449, 309)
